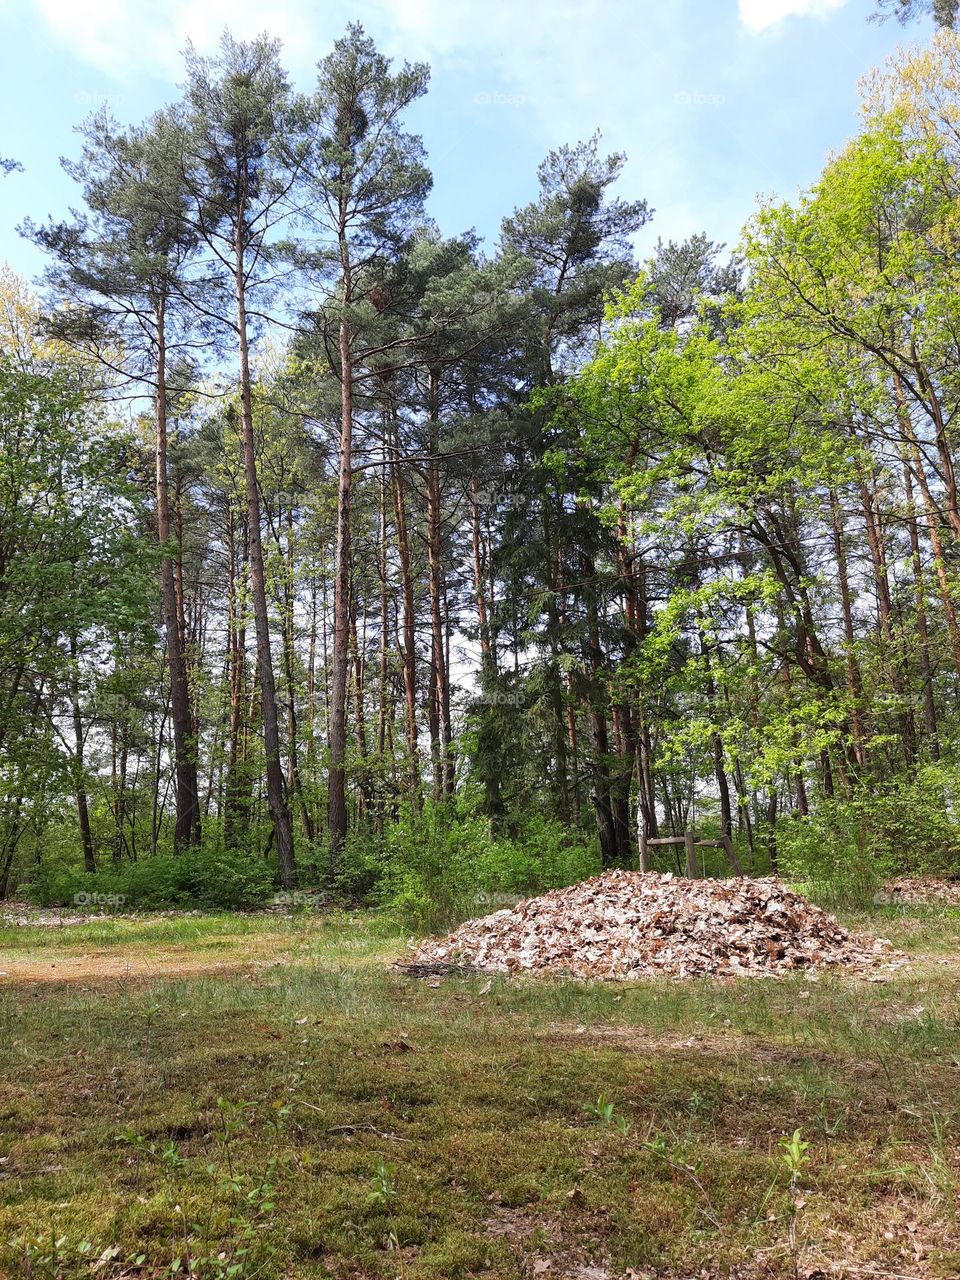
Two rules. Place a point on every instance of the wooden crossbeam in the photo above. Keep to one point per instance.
(691, 844)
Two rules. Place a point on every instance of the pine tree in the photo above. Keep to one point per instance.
(368, 181)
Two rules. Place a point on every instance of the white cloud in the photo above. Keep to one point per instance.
(148, 36)
(126, 41)
(537, 62)
(537, 40)
(758, 15)
(524, 76)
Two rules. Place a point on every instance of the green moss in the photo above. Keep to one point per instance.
(334, 1065)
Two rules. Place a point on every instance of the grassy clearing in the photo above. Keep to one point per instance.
(304, 1111)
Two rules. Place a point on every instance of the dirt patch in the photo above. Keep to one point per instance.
(108, 965)
(538, 1240)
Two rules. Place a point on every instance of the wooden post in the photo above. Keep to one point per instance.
(691, 847)
(732, 855)
(644, 851)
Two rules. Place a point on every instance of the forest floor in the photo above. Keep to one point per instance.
(265, 1096)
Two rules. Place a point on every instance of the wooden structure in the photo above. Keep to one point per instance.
(691, 845)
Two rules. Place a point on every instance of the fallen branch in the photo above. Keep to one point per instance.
(355, 1128)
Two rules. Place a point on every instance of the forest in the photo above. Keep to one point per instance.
(480, 715)
(340, 553)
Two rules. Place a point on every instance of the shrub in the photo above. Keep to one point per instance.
(545, 854)
(361, 865)
(198, 878)
(908, 826)
(439, 866)
(431, 864)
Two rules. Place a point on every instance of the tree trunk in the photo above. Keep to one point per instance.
(444, 766)
(79, 770)
(875, 542)
(926, 670)
(187, 827)
(854, 681)
(337, 787)
(408, 645)
(236, 798)
(933, 520)
(479, 586)
(276, 799)
(596, 715)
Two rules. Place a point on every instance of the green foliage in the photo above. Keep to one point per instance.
(431, 861)
(360, 865)
(851, 843)
(605, 1113)
(793, 1153)
(70, 566)
(440, 865)
(544, 854)
(198, 878)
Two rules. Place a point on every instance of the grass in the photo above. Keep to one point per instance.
(278, 1102)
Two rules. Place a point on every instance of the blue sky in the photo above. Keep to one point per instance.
(715, 102)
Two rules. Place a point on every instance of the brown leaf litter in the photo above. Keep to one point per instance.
(629, 924)
(928, 889)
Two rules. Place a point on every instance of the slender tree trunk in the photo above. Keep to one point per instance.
(935, 412)
(923, 635)
(158, 743)
(408, 645)
(479, 582)
(875, 542)
(312, 698)
(449, 758)
(236, 798)
(433, 719)
(854, 681)
(553, 556)
(120, 743)
(383, 714)
(360, 720)
(933, 521)
(79, 768)
(294, 781)
(796, 777)
(716, 742)
(441, 676)
(574, 751)
(337, 787)
(187, 827)
(596, 715)
(276, 799)
(385, 700)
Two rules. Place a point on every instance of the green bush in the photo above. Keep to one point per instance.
(360, 867)
(439, 866)
(431, 861)
(829, 855)
(915, 822)
(198, 878)
(851, 844)
(544, 855)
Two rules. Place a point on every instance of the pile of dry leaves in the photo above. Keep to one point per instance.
(627, 924)
(930, 889)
